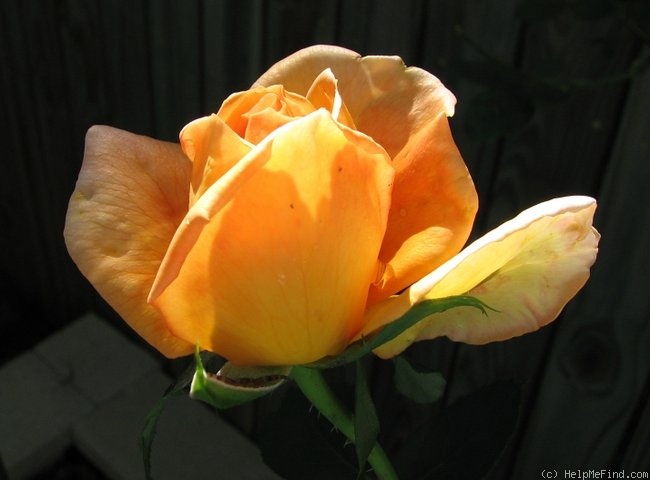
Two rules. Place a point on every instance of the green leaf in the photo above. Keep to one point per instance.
(476, 427)
(298, 443)
(419, 312)
(421, 387)
(151, 422)
(366, 423)
(233, 384)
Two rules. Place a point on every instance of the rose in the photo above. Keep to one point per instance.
(312, 209)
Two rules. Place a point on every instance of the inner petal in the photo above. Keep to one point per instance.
(324, 93)
(237, 110)
(213, 148)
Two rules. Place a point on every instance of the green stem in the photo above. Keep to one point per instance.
(313, 386)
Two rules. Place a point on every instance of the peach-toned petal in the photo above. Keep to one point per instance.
(262, 123)
(527, 269)
(386, 99)
(130, 196)
(235, 107)
(213, 199)
(279, 274)
(255, 113)
(213, 148)
(404, 110)
(433, 208)
(324, 93)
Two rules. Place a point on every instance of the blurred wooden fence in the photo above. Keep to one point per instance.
(553, 99)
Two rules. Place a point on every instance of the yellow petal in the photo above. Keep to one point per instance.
(527, 269)
(278, 274)
(213, 148)
(131, 194)
(404, 110)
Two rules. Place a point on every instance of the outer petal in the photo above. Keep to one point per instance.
(376, 90)
(130, 196)
(527, 269)
(433, 208)
(279, 273)
(404, 110)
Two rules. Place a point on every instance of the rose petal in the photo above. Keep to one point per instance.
(255, 113)
(213, 199)
(527, 269)
(404, 110)
(433, 208)
(386, 99)
(279, 274)
(324, 93)
(213, 148)
(131, 194)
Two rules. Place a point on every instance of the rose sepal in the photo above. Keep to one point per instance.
(234, 384)
(417, 313)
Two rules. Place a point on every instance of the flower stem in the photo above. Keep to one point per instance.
(313, 386)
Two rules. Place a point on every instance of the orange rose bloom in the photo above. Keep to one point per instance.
(284, 225)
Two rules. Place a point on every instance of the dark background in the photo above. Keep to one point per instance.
(553, 99)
